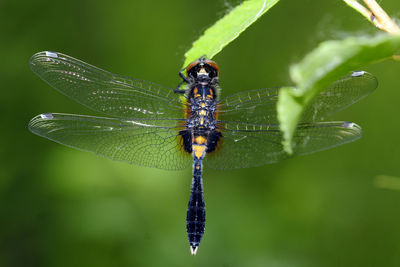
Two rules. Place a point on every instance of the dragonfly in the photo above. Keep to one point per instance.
(155, 126)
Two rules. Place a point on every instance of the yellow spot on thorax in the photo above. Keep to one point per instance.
(196, 92)
(211, 94)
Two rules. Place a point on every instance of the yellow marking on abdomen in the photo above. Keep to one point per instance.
(200, 140)
(198, 150)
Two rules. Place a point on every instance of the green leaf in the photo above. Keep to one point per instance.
(227, 29)
(321, 67)
(289, 111)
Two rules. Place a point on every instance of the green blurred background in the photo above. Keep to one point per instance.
(63, 207)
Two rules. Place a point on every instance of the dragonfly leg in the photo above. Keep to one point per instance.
(184, 80)
(180, 91)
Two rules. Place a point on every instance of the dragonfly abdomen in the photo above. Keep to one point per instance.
(196, 213)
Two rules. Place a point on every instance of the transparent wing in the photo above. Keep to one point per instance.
(151, 143)
(259, 106)
(341, 94)
(255, 106)
(103, 91)
(249, 145)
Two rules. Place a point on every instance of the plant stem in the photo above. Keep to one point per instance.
(384, 20)
(375, 14)
(360, 8)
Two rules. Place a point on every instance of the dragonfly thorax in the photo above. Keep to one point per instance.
(202, 115)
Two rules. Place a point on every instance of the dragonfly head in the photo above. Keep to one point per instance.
(202, 68)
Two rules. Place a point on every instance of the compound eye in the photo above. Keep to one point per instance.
(191, 66)
(213, 65)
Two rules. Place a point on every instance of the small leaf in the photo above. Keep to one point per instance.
(291, 107)
(387, 182)
(227, 29)
(322, 66)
